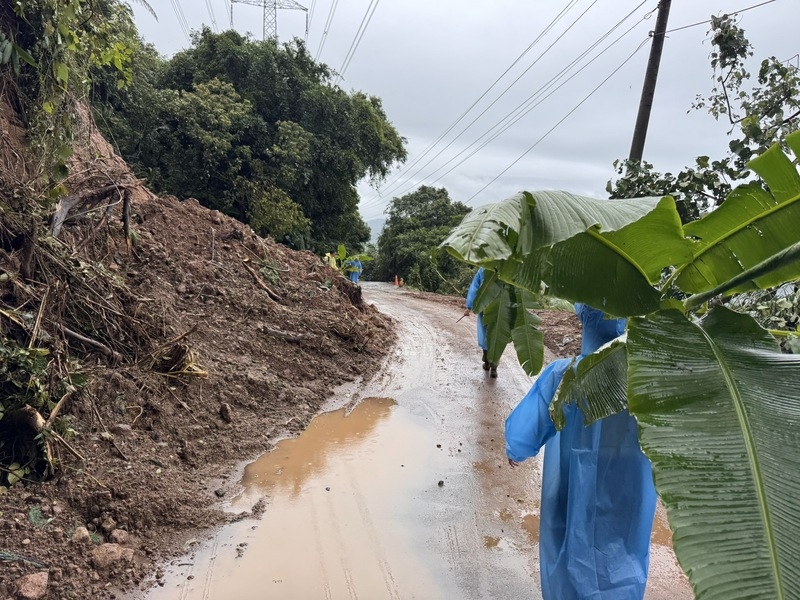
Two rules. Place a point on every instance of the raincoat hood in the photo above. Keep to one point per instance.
(597, 329)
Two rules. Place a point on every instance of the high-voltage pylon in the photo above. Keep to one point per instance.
(271, 13)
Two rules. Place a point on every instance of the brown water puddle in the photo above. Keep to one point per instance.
(337, 522)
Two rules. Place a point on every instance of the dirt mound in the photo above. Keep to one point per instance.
(202, 344)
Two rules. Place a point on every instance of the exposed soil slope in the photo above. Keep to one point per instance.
(220, 343)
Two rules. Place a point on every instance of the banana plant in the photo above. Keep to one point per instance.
(716, 400)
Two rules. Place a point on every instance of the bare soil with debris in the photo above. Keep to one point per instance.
(209, 344)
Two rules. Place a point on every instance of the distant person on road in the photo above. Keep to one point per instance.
(472, 293)
(598, 498)
(355, 268)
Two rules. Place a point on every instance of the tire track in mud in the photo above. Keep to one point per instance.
(380, 555)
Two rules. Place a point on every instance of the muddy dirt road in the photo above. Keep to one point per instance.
(403, 492)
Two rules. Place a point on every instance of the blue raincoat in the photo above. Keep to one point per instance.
(598, 498)
(355, 264)
(477, 281)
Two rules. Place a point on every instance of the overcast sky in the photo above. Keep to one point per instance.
(430, 61)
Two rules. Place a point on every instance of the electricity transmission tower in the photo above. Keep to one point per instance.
(271, 13)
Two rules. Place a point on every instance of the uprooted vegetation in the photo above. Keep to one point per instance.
(146, 346)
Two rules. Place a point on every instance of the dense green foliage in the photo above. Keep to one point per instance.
(714, 395)
(416, 224)
(760, 113)
(255, 130)
(47, 48)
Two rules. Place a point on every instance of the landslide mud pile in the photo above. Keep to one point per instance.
(178, 343)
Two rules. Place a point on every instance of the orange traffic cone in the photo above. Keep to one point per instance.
(395, 280)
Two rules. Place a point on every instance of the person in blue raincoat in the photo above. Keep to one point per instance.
(472, 293)
(355, 269)
(598, 498)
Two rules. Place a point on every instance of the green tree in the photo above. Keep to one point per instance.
(291, 134)
(49, 47)
(715, 398)
(416, 224)
(760, 113)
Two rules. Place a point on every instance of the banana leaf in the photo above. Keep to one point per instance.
(598, 385)
(719, 418)
(512, 228)
(500, 318)
(527, 338)
(749, 227)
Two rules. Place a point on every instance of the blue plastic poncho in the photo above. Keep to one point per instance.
(598, 499)
(356, 268)
(477, 281)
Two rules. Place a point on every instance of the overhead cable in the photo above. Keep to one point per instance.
(707, 21)
(310, 13)
(357, 39)
(519, 116)
(554, 127)
(525, 107)
(211, 14)
(176, 7)
(327, 28)
(424, 153)
(506, 90)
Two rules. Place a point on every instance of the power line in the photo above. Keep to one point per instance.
(521, 110)
(554, 127)
(485, 110)
(311, 12)
(707, 21)
(328, 22)
(430, 146)
(530, 105)
(176, 7)
(211, 14)
(373, 5)
(229, 11)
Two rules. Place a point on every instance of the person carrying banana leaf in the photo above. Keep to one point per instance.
(472, 293)
(598, 498)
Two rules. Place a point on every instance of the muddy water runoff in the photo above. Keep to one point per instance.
(403, 492)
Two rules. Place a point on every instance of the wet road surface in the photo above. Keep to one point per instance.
(403, 492)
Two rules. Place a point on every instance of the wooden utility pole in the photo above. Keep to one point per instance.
(649, 87)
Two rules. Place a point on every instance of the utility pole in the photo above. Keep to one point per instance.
(649, 87)
(270, 27)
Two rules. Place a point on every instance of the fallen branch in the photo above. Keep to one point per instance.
(38, 323)
(68, 447)
(258, 280)
(57, 408)
(69, 202)
(93, 343)
(289, 337)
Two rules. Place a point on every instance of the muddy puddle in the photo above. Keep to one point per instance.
(338, 521)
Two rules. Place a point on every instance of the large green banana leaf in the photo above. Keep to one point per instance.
(598, 385)
(488, 233)
(527, 338)
(719, 417)
(512, 228)
(614, 271)
(507, 318)
(489, 292)
(750, 226)
(500, 318)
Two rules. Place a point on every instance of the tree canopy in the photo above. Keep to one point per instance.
(256, 130)
(416, 224)
(760, 112)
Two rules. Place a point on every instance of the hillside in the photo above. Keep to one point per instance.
(201, 344)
